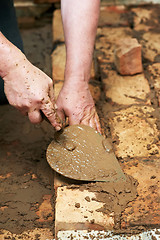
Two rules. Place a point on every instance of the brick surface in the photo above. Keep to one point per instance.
(135, 132)
(106, 40)
(113, 16)
(154, 75)
(57, 27)
(145, 209)
(58, 62)
(112, 34)
(141, 18)
(128, 57)
(104, 51)
(125, 89)
(78, 213)
(37, 233)
(150, 45)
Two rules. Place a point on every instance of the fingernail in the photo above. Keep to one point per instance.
(55, 105)
(58, 128)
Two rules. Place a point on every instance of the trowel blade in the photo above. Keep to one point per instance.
(81, 153)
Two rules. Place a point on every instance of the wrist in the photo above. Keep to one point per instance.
(10, 56)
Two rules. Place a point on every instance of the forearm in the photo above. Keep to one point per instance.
(10, 56)
(80, 18)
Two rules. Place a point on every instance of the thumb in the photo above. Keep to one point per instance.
(61, 114)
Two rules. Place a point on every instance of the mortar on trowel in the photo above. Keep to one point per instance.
(79, 152)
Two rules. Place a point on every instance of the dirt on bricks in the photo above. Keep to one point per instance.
(129, 115)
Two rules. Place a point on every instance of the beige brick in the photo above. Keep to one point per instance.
(112, 16)
(112, 34)
(58, 62)
(104, 50)
(128, 57)
(45, 211)
(141, 18)
(125, 89)
(57, 27)
(135, 132)
(42, 234)
(154, 72)
(150, 45)
(77, 213)
(144, 211)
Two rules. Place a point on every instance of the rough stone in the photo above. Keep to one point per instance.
(150, 45)
(144, 211)
(134, 132)
(144, 18)
(113, 16)
(112, 34)
(128, 58)
(154, 75)
(37, 233)
(125, 89)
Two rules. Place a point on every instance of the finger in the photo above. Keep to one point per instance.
(98, 125)
(50, 112)
(51, 94)
(35, 116)
(92, 122)
(61, 115)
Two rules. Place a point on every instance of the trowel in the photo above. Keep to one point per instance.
(81, 153)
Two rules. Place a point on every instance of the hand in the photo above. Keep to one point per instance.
(76, 103)
(31, 91)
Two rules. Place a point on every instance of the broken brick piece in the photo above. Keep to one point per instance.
(128, 57)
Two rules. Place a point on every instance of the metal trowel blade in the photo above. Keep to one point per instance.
(81, 153)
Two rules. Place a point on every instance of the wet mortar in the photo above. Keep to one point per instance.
(25, 174)
(79, 152)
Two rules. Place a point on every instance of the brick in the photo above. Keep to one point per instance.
(57, 27)
(104, 50)
(58, 62)
(135, 132)
(144, 18)
(106, 40)
(144, 211)
(57, 88)
(113, 16)
(125, 90)
(37, 233)
(84, 234)
(45, 211)
(128, 58)
(154, 75)
(77, 213)
(150, 45)
(112, 34)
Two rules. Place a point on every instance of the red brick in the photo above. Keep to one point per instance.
(128, 58)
